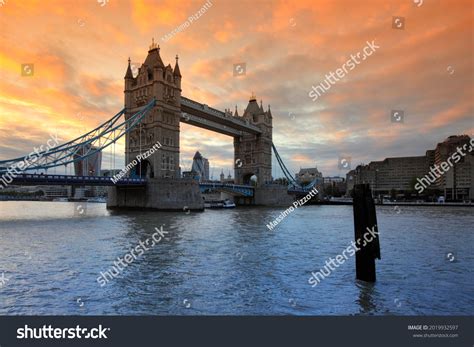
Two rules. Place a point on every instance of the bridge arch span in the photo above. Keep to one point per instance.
(144, 169)
(248, 177)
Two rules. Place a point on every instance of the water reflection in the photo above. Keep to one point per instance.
(228, 262)
(366, 300)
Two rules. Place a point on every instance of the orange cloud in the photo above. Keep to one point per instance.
(80, 52)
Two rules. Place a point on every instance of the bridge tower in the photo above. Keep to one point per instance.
(161, 125)
(253, 153)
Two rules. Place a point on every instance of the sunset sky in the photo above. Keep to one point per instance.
(80, 49)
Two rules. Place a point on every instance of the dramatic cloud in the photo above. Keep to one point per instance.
(80, 50)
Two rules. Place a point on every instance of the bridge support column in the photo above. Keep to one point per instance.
(167, 195)
(273, 195)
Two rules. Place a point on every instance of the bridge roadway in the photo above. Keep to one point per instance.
(71, 180)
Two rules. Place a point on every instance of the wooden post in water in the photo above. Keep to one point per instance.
(365, 223)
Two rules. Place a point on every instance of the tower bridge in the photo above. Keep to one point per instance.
(252, 132)
(153, 110)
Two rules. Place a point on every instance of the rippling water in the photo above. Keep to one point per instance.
(228, 262)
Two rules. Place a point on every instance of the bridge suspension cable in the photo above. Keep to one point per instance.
(289, 176)
(84, 146)
(283, 167)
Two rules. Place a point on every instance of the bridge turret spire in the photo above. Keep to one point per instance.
(154, 45)
(253, 97)
(129, 74)
(236, 113)
(176, 71)
(269, 112)
(153, 58)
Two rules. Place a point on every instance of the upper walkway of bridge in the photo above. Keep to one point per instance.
(202, 115)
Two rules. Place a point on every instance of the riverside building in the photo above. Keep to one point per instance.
(400, 173)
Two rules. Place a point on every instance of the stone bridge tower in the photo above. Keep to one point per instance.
(253, 153)
(154, 80)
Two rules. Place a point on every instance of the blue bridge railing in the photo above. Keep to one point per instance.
(38, 179)
(231, 188)
(46, 179)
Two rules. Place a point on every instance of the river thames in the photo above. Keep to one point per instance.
(227, 262)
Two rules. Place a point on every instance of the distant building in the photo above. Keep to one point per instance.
(206, 169)
(201, 166)
(334, 185)
(89, 166)
(391, 173)
(401, 173)
(308, 175)
(350, 181)
(191, 174)
(44, 191)
(458, 182)
(229, 178)
(334, 179)
(56, 191)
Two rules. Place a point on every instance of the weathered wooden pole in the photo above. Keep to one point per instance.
(366, 233)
